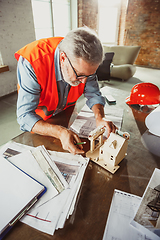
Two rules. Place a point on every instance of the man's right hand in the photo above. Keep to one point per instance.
(68, 138)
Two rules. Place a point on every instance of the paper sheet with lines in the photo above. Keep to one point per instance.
(122, 211)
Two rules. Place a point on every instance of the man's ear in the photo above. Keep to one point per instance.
(62, 57)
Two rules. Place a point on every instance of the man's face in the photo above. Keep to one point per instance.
(76, 72)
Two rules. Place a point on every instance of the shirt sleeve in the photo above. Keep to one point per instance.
(92, 93)
(28, 95)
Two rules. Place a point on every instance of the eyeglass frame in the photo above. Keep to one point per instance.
(80, 76)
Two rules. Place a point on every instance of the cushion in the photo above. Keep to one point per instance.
(123, 54)
(124, 72)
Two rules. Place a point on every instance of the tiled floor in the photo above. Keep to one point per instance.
(9, 127)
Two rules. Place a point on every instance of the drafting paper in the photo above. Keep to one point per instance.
(122, 210)
(85, 121)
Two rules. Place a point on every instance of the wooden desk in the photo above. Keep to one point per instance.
(89, 219)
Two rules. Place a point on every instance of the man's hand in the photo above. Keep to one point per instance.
(108, 124)
(100, 121)
(66, 136)
(69, 140)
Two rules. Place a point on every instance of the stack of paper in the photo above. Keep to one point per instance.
(61, 173)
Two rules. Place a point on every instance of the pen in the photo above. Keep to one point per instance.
(79, 143)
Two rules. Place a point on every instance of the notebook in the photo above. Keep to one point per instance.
(18, 193)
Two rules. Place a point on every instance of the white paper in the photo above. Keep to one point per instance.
(12, 148)
(17, 191)
(152, 122)
(122, 210)
(78, 124)
(85, 121)
(46, 155)
(27, 163)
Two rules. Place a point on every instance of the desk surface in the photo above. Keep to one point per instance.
(89, 218)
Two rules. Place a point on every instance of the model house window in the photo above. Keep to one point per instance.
(109, 13)
(54, 17)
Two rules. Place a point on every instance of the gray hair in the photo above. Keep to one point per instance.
(83, 43)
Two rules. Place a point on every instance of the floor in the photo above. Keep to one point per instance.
(9, 127)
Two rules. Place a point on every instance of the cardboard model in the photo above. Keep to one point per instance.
(108, 154)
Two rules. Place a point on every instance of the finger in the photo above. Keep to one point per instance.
(111, 128)
(108, 132)
(77, 140)
(114, 128)
(74, 150)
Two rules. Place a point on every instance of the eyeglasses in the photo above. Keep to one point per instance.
(79, 76)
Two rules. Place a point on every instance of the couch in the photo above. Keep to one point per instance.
(123, 61)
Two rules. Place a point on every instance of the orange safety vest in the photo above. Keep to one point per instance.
(40, 54)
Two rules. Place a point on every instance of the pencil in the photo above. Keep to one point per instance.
(79, 143)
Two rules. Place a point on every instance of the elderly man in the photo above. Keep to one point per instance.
(52, 74)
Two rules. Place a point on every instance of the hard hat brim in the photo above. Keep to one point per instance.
(128, 100)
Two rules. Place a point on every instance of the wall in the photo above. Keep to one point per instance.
(139, 25)
(143, 28)
(16, 30)
(122, 22)
(88, 13)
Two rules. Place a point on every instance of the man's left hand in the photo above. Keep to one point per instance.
(98, 110)
(108, 124)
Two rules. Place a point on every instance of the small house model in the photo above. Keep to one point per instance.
(110, 153)
(113, 151)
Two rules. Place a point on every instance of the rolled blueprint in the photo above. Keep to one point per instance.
(152, 121)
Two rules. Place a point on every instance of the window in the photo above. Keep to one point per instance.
(109, 13)
(1, 60)
(61, 17)
(42, 18)
(3, 68)
(54, 17)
